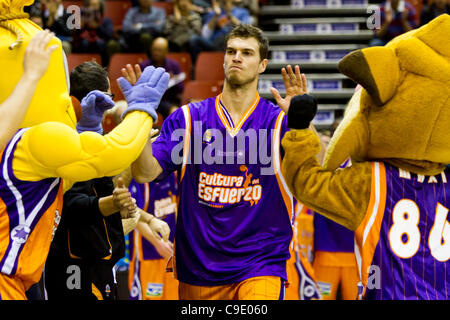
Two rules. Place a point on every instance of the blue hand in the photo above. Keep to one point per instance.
(146, 94)
(92, 108)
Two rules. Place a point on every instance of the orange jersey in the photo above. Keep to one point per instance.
(29, 216)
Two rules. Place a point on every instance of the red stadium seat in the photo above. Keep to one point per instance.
(117, 62)
(167, 6)
(67, 3)
(74, 59)
(209, 66)
(184, 59)
(198, 90)
(116, 10)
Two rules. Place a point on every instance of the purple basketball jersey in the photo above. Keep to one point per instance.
(234, 211)
(159, 199)
(404, 241)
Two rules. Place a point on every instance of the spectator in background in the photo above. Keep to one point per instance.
(54, 18)
(397, 17)
(252, 6)
(217, 24)
(182, 26)
(141, 25)
(37, 18)
(158, 58)
(97, 32)
(429, 12)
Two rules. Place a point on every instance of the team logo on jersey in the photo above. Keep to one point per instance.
(154, 290)
(324, 288)
(207, 137)
(165, 206)
(20, 233)
(217, 188)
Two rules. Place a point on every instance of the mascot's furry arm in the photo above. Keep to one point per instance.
(53, 149)
(342, 195)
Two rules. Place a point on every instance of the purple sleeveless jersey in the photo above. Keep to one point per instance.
(159, 199)
(404, 241)
(234, 210)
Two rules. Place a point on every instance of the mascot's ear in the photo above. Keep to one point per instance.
(376, 69)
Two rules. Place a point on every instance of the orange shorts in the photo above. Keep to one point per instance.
(11, 288)
(257, 288)
(335, 270)
(153, 282)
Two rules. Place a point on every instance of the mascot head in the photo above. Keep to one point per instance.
(51, 101)
(402, 113)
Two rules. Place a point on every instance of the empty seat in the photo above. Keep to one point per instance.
(117, 62)
(167, 6)
(184, 59)
(199, 90)
(116, 11)
(74, 59)
(209, 66)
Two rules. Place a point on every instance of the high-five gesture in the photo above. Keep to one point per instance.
(295, 84)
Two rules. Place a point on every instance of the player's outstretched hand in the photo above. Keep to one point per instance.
(160, 229)
(146, 94)
(131, 74)
(37, 55)
(92, 108)
(295, 84)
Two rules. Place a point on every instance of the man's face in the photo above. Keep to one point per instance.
(159, 51)
(145, 3)
(94, 4)
(242, 61)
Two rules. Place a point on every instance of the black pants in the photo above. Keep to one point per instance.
(79, 279)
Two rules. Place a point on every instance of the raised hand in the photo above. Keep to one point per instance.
(37, 55)
(122, 199)
(132, 75)
(92, 108)
(147, 92)
(295, 84)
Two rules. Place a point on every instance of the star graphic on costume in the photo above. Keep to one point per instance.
(21, 234)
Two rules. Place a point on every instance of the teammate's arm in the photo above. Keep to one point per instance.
(164, 248)
(35, 64)
(146, 168)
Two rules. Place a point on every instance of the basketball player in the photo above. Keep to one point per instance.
(233, 227)
(148, 279)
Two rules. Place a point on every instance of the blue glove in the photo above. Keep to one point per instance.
(146, 94)
(92, 108)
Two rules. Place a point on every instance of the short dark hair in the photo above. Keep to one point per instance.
(86, 77)
(248, 31)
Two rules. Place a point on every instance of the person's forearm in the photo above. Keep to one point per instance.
(106, 206)
(147, 233)
(145, 217)
(14, 108)
(128, 225)
(212, 23)
(146, 168)
(406, 26)
(235, 21)
(383, 30)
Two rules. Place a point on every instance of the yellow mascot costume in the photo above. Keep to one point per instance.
(396, 195)
(47, 155)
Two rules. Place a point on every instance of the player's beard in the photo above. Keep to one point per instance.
(235, 82)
